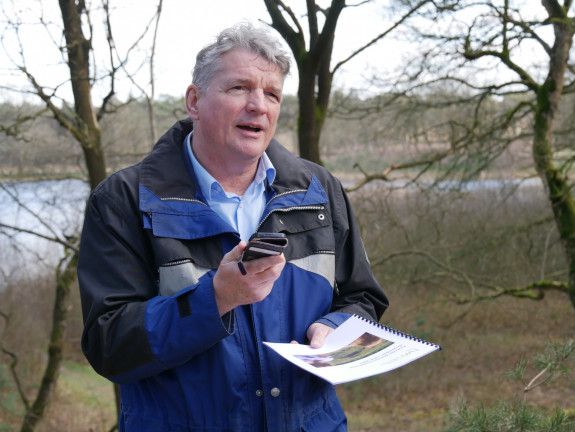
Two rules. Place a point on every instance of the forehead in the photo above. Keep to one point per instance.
(244, 64)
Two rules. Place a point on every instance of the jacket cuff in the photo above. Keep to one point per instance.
(334, 319)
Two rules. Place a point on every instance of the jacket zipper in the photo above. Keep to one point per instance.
(287, 193)
(177, 262)
(183, 200)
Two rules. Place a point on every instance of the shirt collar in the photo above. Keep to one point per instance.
(265, 172)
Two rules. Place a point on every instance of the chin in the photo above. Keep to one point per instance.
(253, 149)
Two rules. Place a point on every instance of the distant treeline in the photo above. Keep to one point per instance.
(372, 133)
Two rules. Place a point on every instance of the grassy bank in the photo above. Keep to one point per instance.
(438, 253)
(477, 352)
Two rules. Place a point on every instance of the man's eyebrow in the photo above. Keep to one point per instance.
(276, 90)
(237, 81)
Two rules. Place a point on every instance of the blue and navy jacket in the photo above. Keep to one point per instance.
(149, 250)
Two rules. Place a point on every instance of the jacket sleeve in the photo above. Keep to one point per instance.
(356, 291)
(130, 332)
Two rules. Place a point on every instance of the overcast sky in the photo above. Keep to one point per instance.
(185, 27)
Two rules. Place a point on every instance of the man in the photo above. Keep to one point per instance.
(168, 314)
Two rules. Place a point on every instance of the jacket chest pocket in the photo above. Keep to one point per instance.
(181, 263)
(311, 239)
(176, 276)
(309, 229)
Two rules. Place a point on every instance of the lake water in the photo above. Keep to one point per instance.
(53, 208)
(49, 208)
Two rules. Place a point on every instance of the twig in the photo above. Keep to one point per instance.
(54, 239)
(13, 365)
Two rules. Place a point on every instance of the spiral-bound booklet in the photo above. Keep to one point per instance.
(356, 349)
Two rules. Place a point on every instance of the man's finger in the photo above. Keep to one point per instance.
(317, 333)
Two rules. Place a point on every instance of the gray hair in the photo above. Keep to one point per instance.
(241, 36)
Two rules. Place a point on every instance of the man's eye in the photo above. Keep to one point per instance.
(274, 96)
(237, 89)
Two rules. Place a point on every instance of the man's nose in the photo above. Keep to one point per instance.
(256, 102)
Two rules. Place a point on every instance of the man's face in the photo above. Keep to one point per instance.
(236, 116)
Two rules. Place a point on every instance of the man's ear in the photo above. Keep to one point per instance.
(192, 97)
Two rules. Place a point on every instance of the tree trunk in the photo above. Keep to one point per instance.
(315, 76)
(313, 102)
(95, 160)
(86, 130)
(65, 276)
(558, 189)
(308, 132)
(78, 50)
(548, 96)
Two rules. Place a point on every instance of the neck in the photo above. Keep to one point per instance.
(236, 184)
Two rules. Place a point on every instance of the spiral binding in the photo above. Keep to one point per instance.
(397, 332)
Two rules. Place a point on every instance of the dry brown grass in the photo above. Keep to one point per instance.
(480, 343)
(84, 402)
(477, 352)
(491, 241)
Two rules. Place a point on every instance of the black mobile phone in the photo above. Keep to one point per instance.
(263, 244)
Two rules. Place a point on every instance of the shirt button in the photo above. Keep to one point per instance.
(275, 392)
(259, 393)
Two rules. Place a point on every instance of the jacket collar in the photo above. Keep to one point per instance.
(165, 172)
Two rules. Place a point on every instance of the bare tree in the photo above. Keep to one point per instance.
(315, 68)
(150, 96)
(498, 51)
(82, 121)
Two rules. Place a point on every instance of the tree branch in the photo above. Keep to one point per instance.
(384, 175)
(55, 239)
(326, 36)
(294, 39)
(13, 365)
(533, 291)
(382, 35)
(13, 129)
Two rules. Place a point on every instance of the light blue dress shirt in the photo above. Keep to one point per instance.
(243, 213)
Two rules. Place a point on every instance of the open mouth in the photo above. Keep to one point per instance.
(249, 128)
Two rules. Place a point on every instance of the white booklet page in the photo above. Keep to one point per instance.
(356, 349)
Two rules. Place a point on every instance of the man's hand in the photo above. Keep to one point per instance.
(316, 334)
(234, 289)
